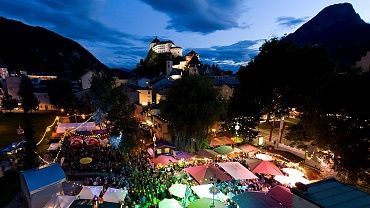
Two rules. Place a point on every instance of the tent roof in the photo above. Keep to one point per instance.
(282, 195)
(183, 155)
(114, 195)
(225, 150)
(219, 141)
(248, 148)
(88, 192)
(332, 193)
(265, 167)
(39, 178)
(237, 170)
(163, 159)
(203, 173)
(255, 200)
(207, 153)
(60, 201)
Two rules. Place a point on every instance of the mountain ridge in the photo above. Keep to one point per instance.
(340, 30)
(36, 49)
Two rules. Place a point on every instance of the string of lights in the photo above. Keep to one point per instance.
(62, 138)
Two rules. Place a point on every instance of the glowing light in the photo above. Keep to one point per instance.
(260, 140)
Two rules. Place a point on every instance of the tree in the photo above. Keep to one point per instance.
(26, 92)
(101, 88)
(121, 121)
(60, 94)
(30, 159)
(283, 75)
(192, 106)
(112, 107)
(8, 102)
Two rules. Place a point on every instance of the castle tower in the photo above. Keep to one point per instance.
(154, 42)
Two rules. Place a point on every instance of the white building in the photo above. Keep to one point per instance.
(165, 47)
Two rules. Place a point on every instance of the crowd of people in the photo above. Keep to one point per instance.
(104, 159)
(148, 185)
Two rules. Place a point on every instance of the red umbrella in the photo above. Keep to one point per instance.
(203, 173)
(265, 167)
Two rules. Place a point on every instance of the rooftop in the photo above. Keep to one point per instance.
(39, 178)
(332, 193)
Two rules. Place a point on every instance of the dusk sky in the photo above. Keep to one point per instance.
(117, 32)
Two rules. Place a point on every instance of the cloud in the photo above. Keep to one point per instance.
(202, 16)
(230, 57)
(71, 18)
(290, 21)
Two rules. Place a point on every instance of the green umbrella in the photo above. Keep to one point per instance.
(224, 150)
(205, 203)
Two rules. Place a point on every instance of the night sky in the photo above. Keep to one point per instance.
(117, 32)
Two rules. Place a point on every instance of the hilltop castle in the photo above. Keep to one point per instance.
(189, 63)
(166, 46)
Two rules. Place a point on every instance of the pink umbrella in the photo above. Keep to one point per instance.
(248, 148)
(203, 173)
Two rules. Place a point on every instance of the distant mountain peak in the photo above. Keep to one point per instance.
(339, 29)
(338, 13)
(36, 49)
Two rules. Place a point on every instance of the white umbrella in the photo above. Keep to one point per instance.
(293, 172)
(88, 192)
(178, 190)
(114, 195)
(264, 157)
(204, 191)
(169, 203)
